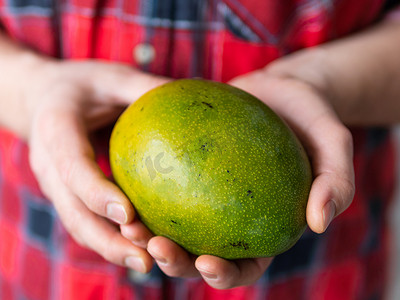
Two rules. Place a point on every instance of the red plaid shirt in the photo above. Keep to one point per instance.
(185, 38)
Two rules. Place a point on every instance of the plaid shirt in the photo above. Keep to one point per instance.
(216, 39)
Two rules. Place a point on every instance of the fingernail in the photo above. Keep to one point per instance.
(135, 263)
(329, 212)
(208, 275)
(116, 212)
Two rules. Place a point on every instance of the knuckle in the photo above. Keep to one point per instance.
(109, 251)
(179, 272)
(226, 284)
(92, 196)
(173, 270)
(92, 200)
(168, 271)
(72, 225)
(349, 192)
(344, 191)
(42, 174)
(86, 187)
(177, 268)
(346, 137)
(350, 186)
(67, 167)
(79, 240)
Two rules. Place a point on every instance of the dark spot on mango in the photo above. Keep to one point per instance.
(175, 222)
(204, 147)
(240, 244)
(207, 104)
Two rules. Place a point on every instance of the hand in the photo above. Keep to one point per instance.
(329, 146)
(68, 101)
(72, 100)
(327, 141)
(176, 262)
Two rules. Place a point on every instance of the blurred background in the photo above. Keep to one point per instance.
(394, 287)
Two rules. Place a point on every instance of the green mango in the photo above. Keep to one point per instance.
(212, 168)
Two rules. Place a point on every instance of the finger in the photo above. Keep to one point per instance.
(137, 233)
(89, 229)
(122, 84)
(223, 274)
(333, 188)
(101, 236)
(171, 258)
(65, 137)
(327, 142)
(329, 145)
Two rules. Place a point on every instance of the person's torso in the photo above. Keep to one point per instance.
(215, 39)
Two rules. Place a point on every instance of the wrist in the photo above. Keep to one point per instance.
(353, 74)
(36, 73)
(315, 68)
(21, 72)
(309, 67)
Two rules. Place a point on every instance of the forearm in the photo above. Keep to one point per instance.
(359, 75)
(21, 69)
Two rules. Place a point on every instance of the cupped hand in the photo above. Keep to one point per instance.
(327, 141)
(329, 145)
(67, 102)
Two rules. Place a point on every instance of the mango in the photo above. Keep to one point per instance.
(212, 168)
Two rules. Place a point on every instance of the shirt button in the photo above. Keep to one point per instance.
(144, 54)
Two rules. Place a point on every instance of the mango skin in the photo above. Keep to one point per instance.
(212, 168)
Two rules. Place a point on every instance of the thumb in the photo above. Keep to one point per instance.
(121, 84)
